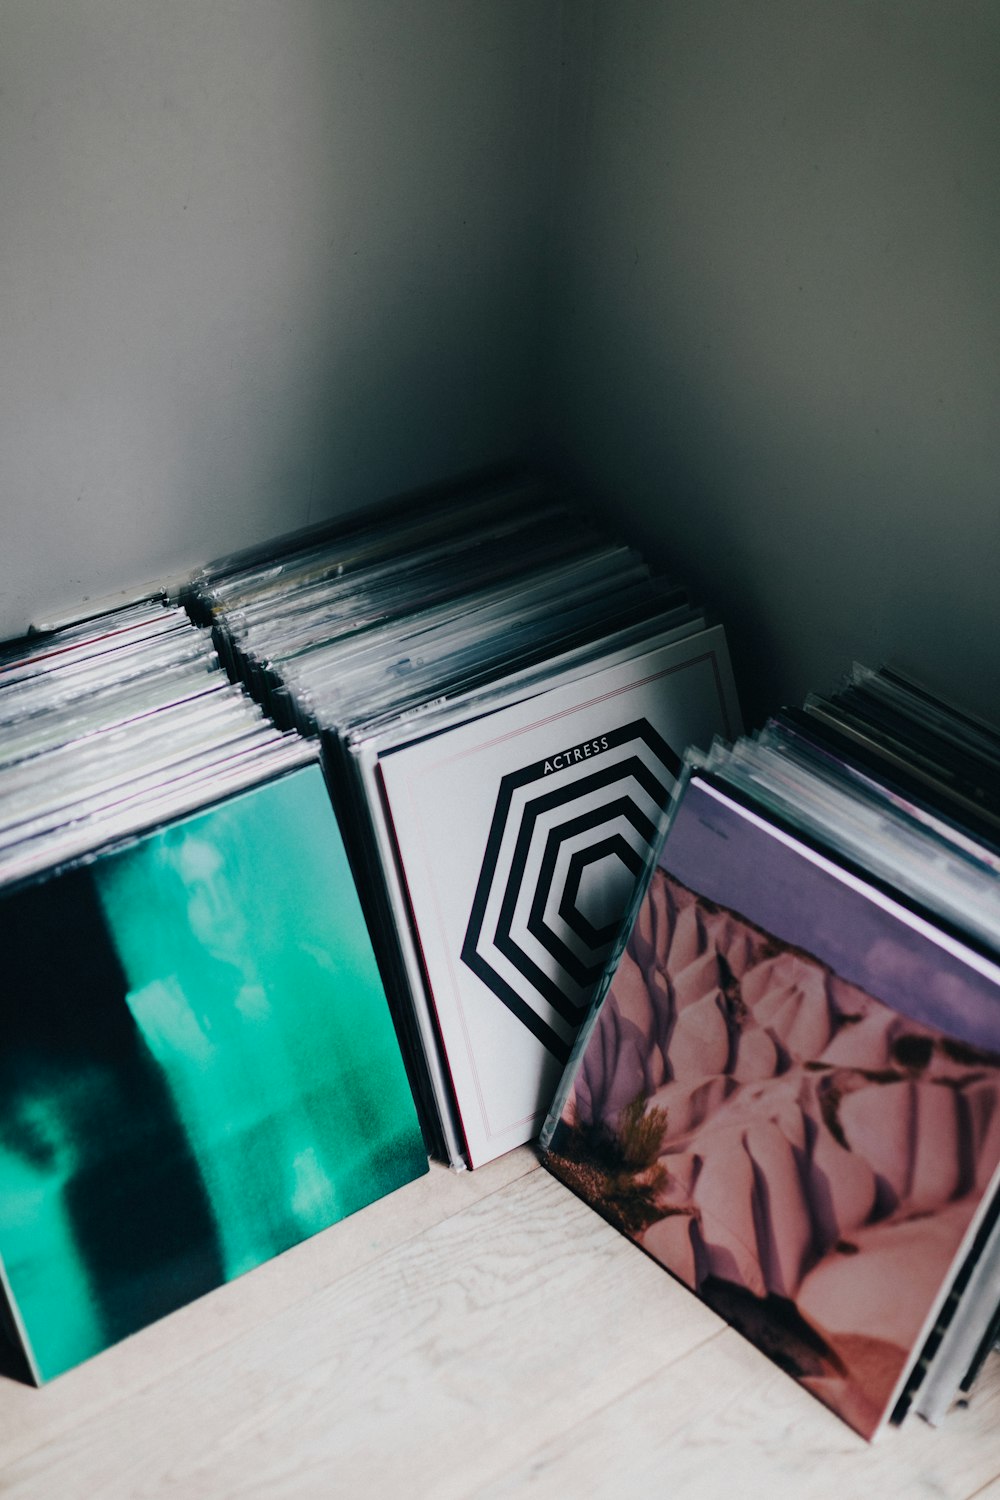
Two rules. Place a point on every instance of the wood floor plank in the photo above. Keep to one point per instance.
(30, 1417)
(481, 1335)
(724, 1421)
(989, 1491)
(429, 1371)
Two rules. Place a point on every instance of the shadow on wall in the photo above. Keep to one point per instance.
(262, 264)
(775, 322)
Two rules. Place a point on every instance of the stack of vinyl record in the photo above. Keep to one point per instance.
(789, 1091)
(114, 722)
(504, 693)
(197, 1064)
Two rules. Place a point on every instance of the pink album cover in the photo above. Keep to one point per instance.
(790, 1098)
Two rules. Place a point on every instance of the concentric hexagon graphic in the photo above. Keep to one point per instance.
(570, 835)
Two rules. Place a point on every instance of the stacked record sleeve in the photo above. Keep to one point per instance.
(115, 722)
(788, 1091)
(197, 1064)
(503, 692)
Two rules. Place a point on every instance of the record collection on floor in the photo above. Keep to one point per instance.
(434, 826)
(198, 1068)
(504, 693)
(789, 1092)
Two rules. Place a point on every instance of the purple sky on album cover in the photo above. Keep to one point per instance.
(720, 853)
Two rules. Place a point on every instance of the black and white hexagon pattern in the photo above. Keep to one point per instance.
(569, 837)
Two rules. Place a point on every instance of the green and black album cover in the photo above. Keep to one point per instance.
(197, 1067)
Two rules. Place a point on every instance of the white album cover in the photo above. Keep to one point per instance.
(520, 837)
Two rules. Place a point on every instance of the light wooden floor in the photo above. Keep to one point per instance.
(477, 1335)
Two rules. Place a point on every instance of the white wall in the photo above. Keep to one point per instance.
(260, 261)
(264, 260)
(776, 305)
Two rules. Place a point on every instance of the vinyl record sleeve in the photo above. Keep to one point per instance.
(519, 838)
(63, 653)
(863, 827)
(42, 649)
(198, 1068)
(901, 723)
(55, 689)
(90, 714)
(59, 778)
(400, 946)
(415, 657)
(789, 1096)
(920, 796)
(969, 1317)
(554, 638)
(894, 756)
(284, 564)
(922, 707)
(446, 570)
(357, 758)
(145, 804)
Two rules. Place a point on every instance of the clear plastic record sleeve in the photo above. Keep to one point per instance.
(931, 772)
(183, 789)
(312, 647)
(82, 792)
(394, 728)
(63, 651)
(501, 648)
(290, 648)
(970, 1321)
(144, 804)
(354, 543)
(54, 690)
(416, 657)
(957, 756)
(921, 707)
(120, 718)
(44, 647)
(969, 825)
(116, 751)
(926, 865)
(447, 568)
(403, 603)
(86, 715)
(77, 803)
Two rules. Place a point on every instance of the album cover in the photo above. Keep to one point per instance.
(790, 1097)
(520, 837)
(198, 1068)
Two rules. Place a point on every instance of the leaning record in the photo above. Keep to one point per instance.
(198, 1067)
(521, 836)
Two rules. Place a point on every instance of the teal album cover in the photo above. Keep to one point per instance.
(197, 1067)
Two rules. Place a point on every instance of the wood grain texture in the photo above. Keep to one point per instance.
(725, 1413)
(29, 1417)
(481, 1335)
